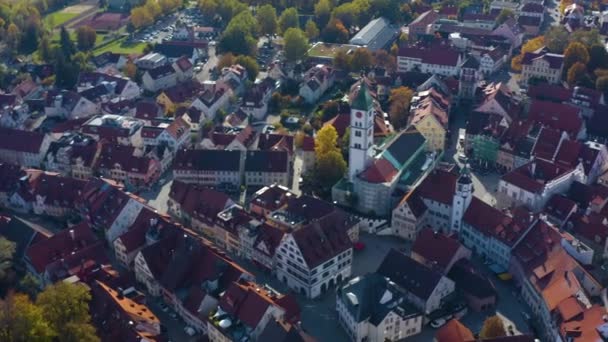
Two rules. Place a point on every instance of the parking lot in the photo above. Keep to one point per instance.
(167, 28)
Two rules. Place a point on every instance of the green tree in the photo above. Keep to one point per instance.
(586, 37)
(29, 40)
(238, 37)
(342, 60)
(312, 31)
(326, 140)
(331, 167)
(362, 59)
(575, 52)
(21, 320)
(296, 44)
(250, 65)
(267, 19)
(13, 36)
(504, 15)
(330, 164)
(399, 100)
(556, 39)
(493, 327)
(323, 12)
(44, 48)
(288, 19)
(85, 38)
(208, 7)
(7, 252)
(226, 60)
(389, 9)
(576, 73)
(66, 43)
(335, 32)
(531, 45)
(347, 13)
(66, 307)
(385, 60)
(29, 285)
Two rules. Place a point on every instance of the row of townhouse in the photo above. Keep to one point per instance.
(305, 242)
(233, 168)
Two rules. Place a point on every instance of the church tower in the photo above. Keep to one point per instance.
(468, 79)
(462, 198)
(361, 131)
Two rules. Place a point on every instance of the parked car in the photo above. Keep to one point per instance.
(438, 323)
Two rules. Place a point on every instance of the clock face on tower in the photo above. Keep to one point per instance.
(359, 115)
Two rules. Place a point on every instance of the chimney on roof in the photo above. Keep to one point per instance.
(72, 234)
(533, 168)
(435, 234)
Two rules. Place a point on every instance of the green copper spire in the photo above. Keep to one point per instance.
(363, 100)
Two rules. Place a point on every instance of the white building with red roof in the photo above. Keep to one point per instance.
(493, 233)
(315, 82)
(534, 183)
(542, 65)
(23, 147)
(442, 60)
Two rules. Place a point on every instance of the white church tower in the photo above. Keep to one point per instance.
(462, 198)
(361, 131)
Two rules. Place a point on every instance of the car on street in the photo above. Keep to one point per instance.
(438, 323)
(173, 315)
(164, 307)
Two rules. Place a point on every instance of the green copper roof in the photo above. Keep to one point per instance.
(364, 100)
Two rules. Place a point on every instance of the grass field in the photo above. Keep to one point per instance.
(326, 50)
(120, 46)
(56, 19)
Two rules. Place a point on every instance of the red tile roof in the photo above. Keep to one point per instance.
(493, 222)
(584, 327)
(549, 92)
(57, 190)
(20, 141)
(569, 153)
(324, 238)
(147, 221)
(560, 207)
(591, 227)
(68, 243)
(547, 143)
(439, 186)
(380, 171)
(271, 197)
(436, 55)
(436, 247)
(198, 201)
(248, 302)
(555, 61)
(125, 157)
(533, 176)
(559, 116)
